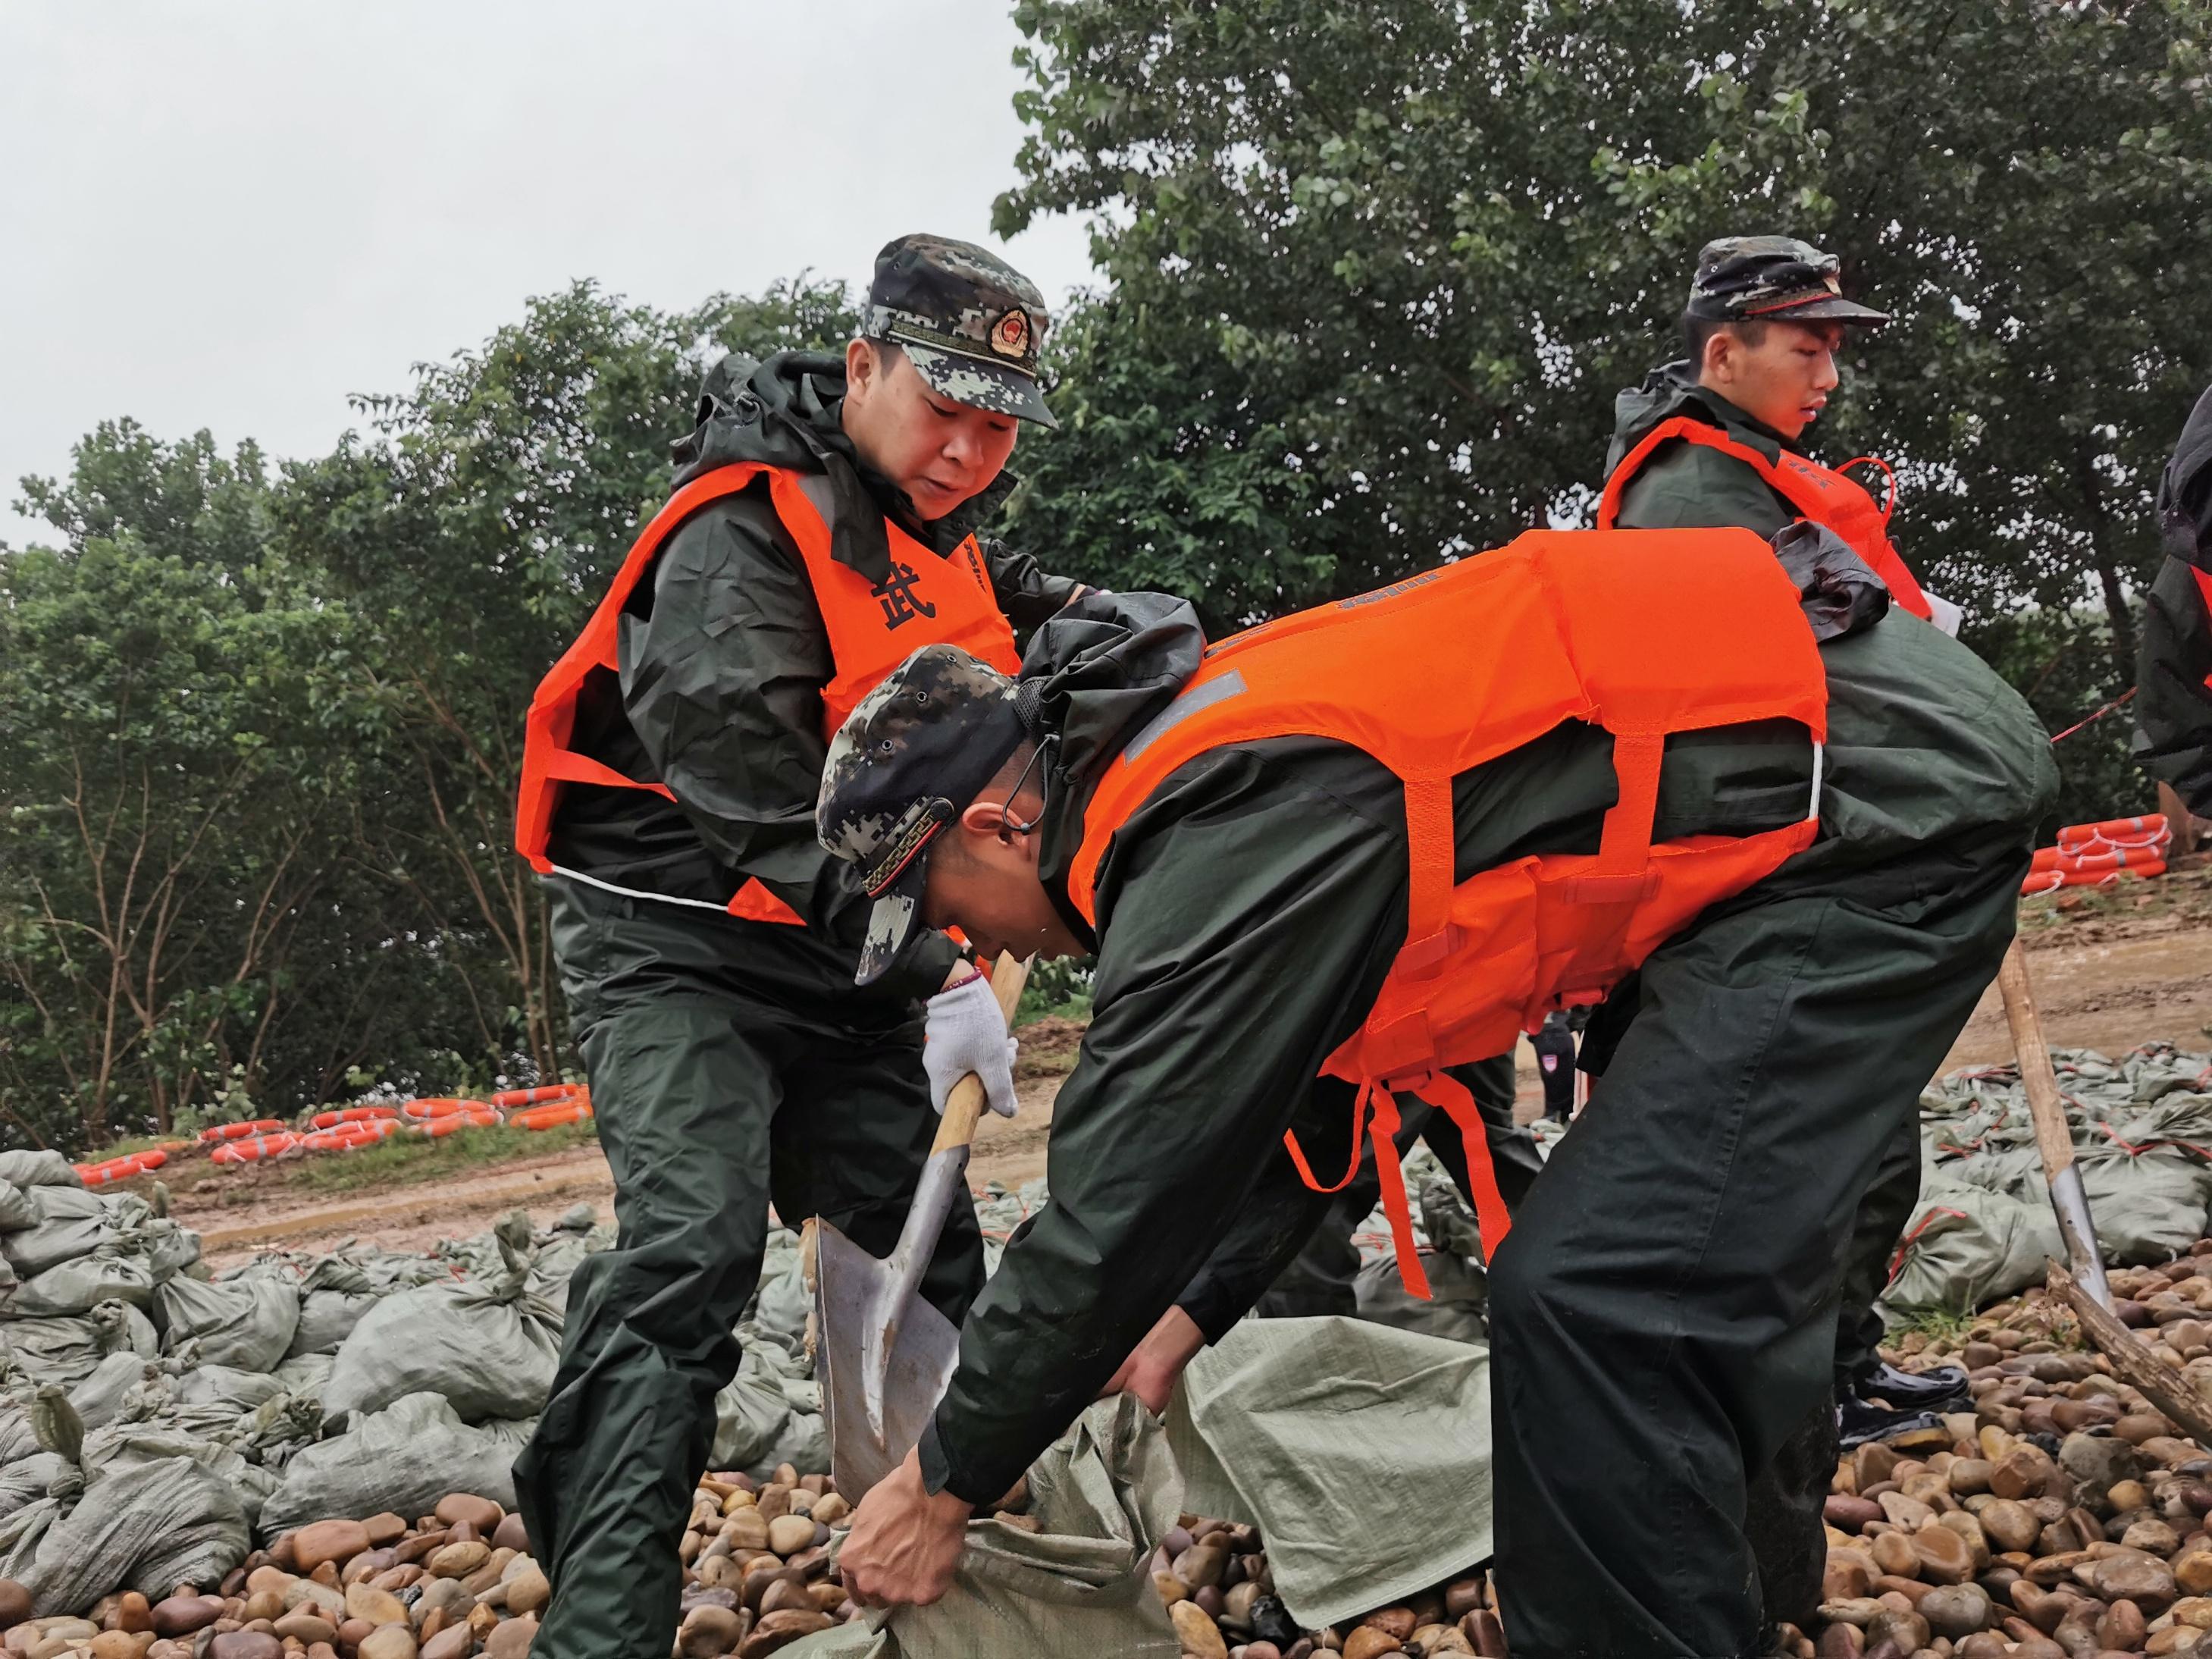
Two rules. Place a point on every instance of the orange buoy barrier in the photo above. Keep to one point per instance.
(2105, 857)
(2150, 826)
(354, 1114)
(252, 1152)
(551, 1117)
(2050, 881)
(120, 1168)
(544, 1096)
(417, 1111)
(217, 1132)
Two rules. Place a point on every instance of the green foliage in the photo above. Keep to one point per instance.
(1378, 267)
(509, 484)
(263, 734)
(2061, 661)
(1055, 990)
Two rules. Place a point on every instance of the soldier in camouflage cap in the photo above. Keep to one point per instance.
(1742, 277)
(969, 323)
(918, 747)
(828, 516)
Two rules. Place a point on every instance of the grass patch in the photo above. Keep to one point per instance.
(403, 1159)
(1933, 1323)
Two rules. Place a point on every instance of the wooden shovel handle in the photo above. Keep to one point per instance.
(2053, 1140)
(964, 1109)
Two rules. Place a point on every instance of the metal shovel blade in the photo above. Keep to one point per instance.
(884, 1360)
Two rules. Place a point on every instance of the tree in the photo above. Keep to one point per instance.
(168, 709)
(1388, 260)
(472, 535)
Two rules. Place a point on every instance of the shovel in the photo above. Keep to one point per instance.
(2053, 1138)
(885, 1355)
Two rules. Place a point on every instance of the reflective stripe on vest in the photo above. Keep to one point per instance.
(1642, 633)
(927, 599)
(1825, 495)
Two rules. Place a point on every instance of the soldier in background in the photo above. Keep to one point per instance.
(2173, 711)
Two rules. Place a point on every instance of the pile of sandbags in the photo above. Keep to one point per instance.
(2143, 1140)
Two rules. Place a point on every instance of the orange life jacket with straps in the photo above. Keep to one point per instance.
(928, 598)
(1828, 496)
(1642, 633)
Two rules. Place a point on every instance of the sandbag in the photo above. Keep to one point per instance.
(71, 1223)
(66, 1351)
(41, 1475)
(123, 1446)
(326, 1319)
(24, 1168)
(306, 1374)
(16, 1210)
(403, 1458)
(1285, 1425)
(225, 1387)
(1964, 1247)
(1103, 1496)
(111, 1271)
(171, 1250)
(490, 1346)
(781, 1301)
(149, 1527)
(2149, 1205)
(107, 1394)
(245, 1322)
(769, 1413)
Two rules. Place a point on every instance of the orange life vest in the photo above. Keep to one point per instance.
(1828, 496)
(1642, 633)
(928, 598)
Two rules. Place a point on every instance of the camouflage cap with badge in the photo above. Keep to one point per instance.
(971, 324)
(1744, 279)
(907, 760)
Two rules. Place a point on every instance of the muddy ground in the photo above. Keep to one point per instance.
(2110, 971)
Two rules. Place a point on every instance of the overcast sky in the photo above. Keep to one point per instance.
(233, 213)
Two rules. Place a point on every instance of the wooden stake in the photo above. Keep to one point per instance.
(2133, 1362)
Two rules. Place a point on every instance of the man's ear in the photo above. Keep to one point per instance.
(860, 366)
(984, 818)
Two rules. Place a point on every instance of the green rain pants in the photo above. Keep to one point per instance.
(1664, 1313)
(710, 1106)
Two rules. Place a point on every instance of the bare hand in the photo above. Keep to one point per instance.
(905, 1542)
(1152, 1369)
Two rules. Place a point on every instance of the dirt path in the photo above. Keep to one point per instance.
(2109, 973)
(414, 1218)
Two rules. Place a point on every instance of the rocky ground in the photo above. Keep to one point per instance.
(2062, 1516)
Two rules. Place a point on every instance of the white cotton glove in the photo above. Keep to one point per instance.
(967, 1033)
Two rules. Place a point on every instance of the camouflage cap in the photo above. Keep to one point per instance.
(1744, 279)
(969, 323)
(917, 749)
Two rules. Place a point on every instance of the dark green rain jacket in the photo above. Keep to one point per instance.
(2174, 713)
(723, 659)
(1685, 486)
(1250, 911)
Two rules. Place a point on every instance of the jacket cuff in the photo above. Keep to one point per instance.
(941, 1472)
(1215, 1306)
